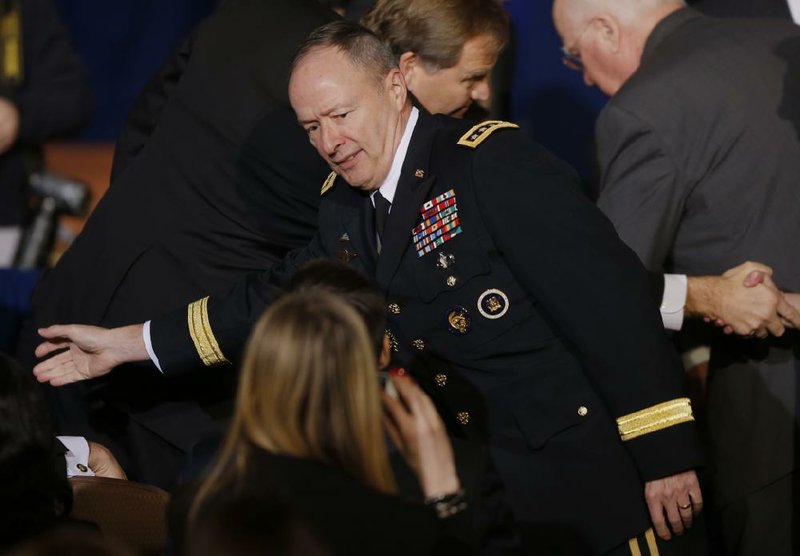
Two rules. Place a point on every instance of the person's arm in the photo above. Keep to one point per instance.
(208, 332)
(86, 351)
(418, 432)
(595, 290)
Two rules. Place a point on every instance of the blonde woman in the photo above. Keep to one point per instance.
(308, 431)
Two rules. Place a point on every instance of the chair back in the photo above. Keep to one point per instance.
(132, 512)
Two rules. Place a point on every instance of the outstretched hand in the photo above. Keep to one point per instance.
(86, 351)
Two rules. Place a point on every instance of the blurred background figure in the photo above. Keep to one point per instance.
(212, 179)
(35, 495)
(44, 94)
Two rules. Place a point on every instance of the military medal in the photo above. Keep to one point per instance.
(458, 320)
(493, 304)
(345, 254)
(445, 261)
(440, 223)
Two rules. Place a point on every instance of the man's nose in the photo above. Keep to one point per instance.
(330, 139)
(481, 91)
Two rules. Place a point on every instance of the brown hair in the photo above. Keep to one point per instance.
(309, 389)
(436, 30)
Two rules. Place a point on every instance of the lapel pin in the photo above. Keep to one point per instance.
(420, 173)
(493, 304)
(458, 320)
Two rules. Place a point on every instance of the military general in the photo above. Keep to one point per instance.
(506, 290)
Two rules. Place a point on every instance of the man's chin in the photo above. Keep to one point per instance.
(459, 112)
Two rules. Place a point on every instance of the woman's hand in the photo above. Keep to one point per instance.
(420, 435)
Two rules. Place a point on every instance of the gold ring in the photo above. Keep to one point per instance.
(685, 506)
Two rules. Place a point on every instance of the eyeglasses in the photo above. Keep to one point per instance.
(571, 59)
(569, 56)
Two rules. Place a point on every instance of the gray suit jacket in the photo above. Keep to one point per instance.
(744, 8)
(700, 158)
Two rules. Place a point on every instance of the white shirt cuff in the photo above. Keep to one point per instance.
(148, 345)
(673, 301)
(77, 456)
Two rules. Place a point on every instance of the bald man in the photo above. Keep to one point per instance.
(699, 149)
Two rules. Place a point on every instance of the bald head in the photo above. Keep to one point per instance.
(629, 11)
(606, 37)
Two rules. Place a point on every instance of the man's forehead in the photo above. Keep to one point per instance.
(321, 58)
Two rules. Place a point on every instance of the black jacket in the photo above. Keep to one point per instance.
(343, 514)
(213, 179)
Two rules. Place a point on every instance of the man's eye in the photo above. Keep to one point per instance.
(312, 128)
(341, 116)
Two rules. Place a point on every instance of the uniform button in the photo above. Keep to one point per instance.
(394, 308)
(441, 380)
(582, 411)
(452, 281)
(463, 417)
(419, 344)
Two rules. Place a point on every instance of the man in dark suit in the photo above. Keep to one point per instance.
(700, 155)
(212, 179)
(499, 277)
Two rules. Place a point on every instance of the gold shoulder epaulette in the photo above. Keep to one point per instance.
(655, 418)
(479, 133)
(328, 184)
(203, 337)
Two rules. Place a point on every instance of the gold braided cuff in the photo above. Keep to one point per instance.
(655, 418)
(203, 337)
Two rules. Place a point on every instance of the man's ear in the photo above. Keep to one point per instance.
(397, 85)
(609, 32)
(385, 356)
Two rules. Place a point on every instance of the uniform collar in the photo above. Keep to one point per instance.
(389, 185)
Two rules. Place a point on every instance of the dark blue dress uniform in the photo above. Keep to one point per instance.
(511, 297)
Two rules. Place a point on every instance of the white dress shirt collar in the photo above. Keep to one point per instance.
(794, 8)
(389, 185)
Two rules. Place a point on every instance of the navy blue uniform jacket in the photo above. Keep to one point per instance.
(540, 334)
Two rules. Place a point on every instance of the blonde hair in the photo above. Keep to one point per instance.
(308, 388)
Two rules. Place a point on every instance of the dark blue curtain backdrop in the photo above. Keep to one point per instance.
(548, 99)
(124, 41)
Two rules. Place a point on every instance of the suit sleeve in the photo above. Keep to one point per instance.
(596, 292)
(213, 330)
(641, 190)
(50, 64)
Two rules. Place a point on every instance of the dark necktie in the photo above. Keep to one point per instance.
(382, 206)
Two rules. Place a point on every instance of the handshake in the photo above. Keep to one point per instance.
(744, 301)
